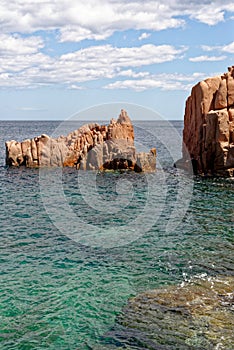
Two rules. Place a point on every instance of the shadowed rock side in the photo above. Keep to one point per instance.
(194, 315)
(91, 147)
(208, 134)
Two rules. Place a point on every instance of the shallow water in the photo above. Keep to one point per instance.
(57, 293)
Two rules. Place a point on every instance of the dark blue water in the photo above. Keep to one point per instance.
(58, 293)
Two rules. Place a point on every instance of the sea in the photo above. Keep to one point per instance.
(75, 247)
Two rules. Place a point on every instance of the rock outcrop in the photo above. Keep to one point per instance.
(91, 147)
(208, 134)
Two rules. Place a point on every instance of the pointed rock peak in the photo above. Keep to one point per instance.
(113, 121)
(124, 118)
(231, 70)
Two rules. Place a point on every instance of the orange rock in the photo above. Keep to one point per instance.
(208, 126)
(221, 95)
(90, 147)
(14, 154)
(230, 86)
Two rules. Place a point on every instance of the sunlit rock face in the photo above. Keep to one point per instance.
(198, 314)
(208, 134)
(91, 147)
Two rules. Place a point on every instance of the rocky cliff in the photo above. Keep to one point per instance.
(90, 147)
(208, 134)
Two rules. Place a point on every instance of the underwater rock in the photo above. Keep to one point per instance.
(194, 315)
(91, 147)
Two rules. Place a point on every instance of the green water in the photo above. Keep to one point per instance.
(60, 294)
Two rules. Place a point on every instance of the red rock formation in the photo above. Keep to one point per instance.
(208, 134)
(91, 147)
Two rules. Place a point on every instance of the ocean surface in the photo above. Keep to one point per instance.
(60, 290)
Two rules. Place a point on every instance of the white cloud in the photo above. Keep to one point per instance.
(132, 74)
(205, 11)
(75, 87)
(137, 85)
(207, 58)
(107, 55)
(209, 15)
(229, 48)
(161, 81)
(15, 45)
(30, 109)
(144, 36)
(99, 19)
(92, 63)
(90, 19)
(208, 48)
(20, 63)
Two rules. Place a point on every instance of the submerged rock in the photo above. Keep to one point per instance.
(194, 315)
(208, 134)
(91, 147)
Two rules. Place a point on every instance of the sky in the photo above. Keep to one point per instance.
(58, 57)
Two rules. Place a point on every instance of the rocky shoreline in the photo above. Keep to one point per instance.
(208, 139)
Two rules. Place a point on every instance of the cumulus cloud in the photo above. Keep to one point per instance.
(11, 65)
(99, 19)
(90, 19)
(14, 44)
(132, 74)
(210, 15)
(205, 11)
(144, 36)
(23, 63)
(161, 81)
(92, 63)
(205, 58)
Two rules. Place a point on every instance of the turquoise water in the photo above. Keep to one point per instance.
(59, 294)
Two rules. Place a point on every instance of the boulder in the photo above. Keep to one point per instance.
(208, 135)
(91, 147)
(146, 161)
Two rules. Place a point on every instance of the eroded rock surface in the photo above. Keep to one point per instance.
(208, 134)
(91, 147)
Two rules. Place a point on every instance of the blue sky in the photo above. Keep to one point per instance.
(59, 57)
